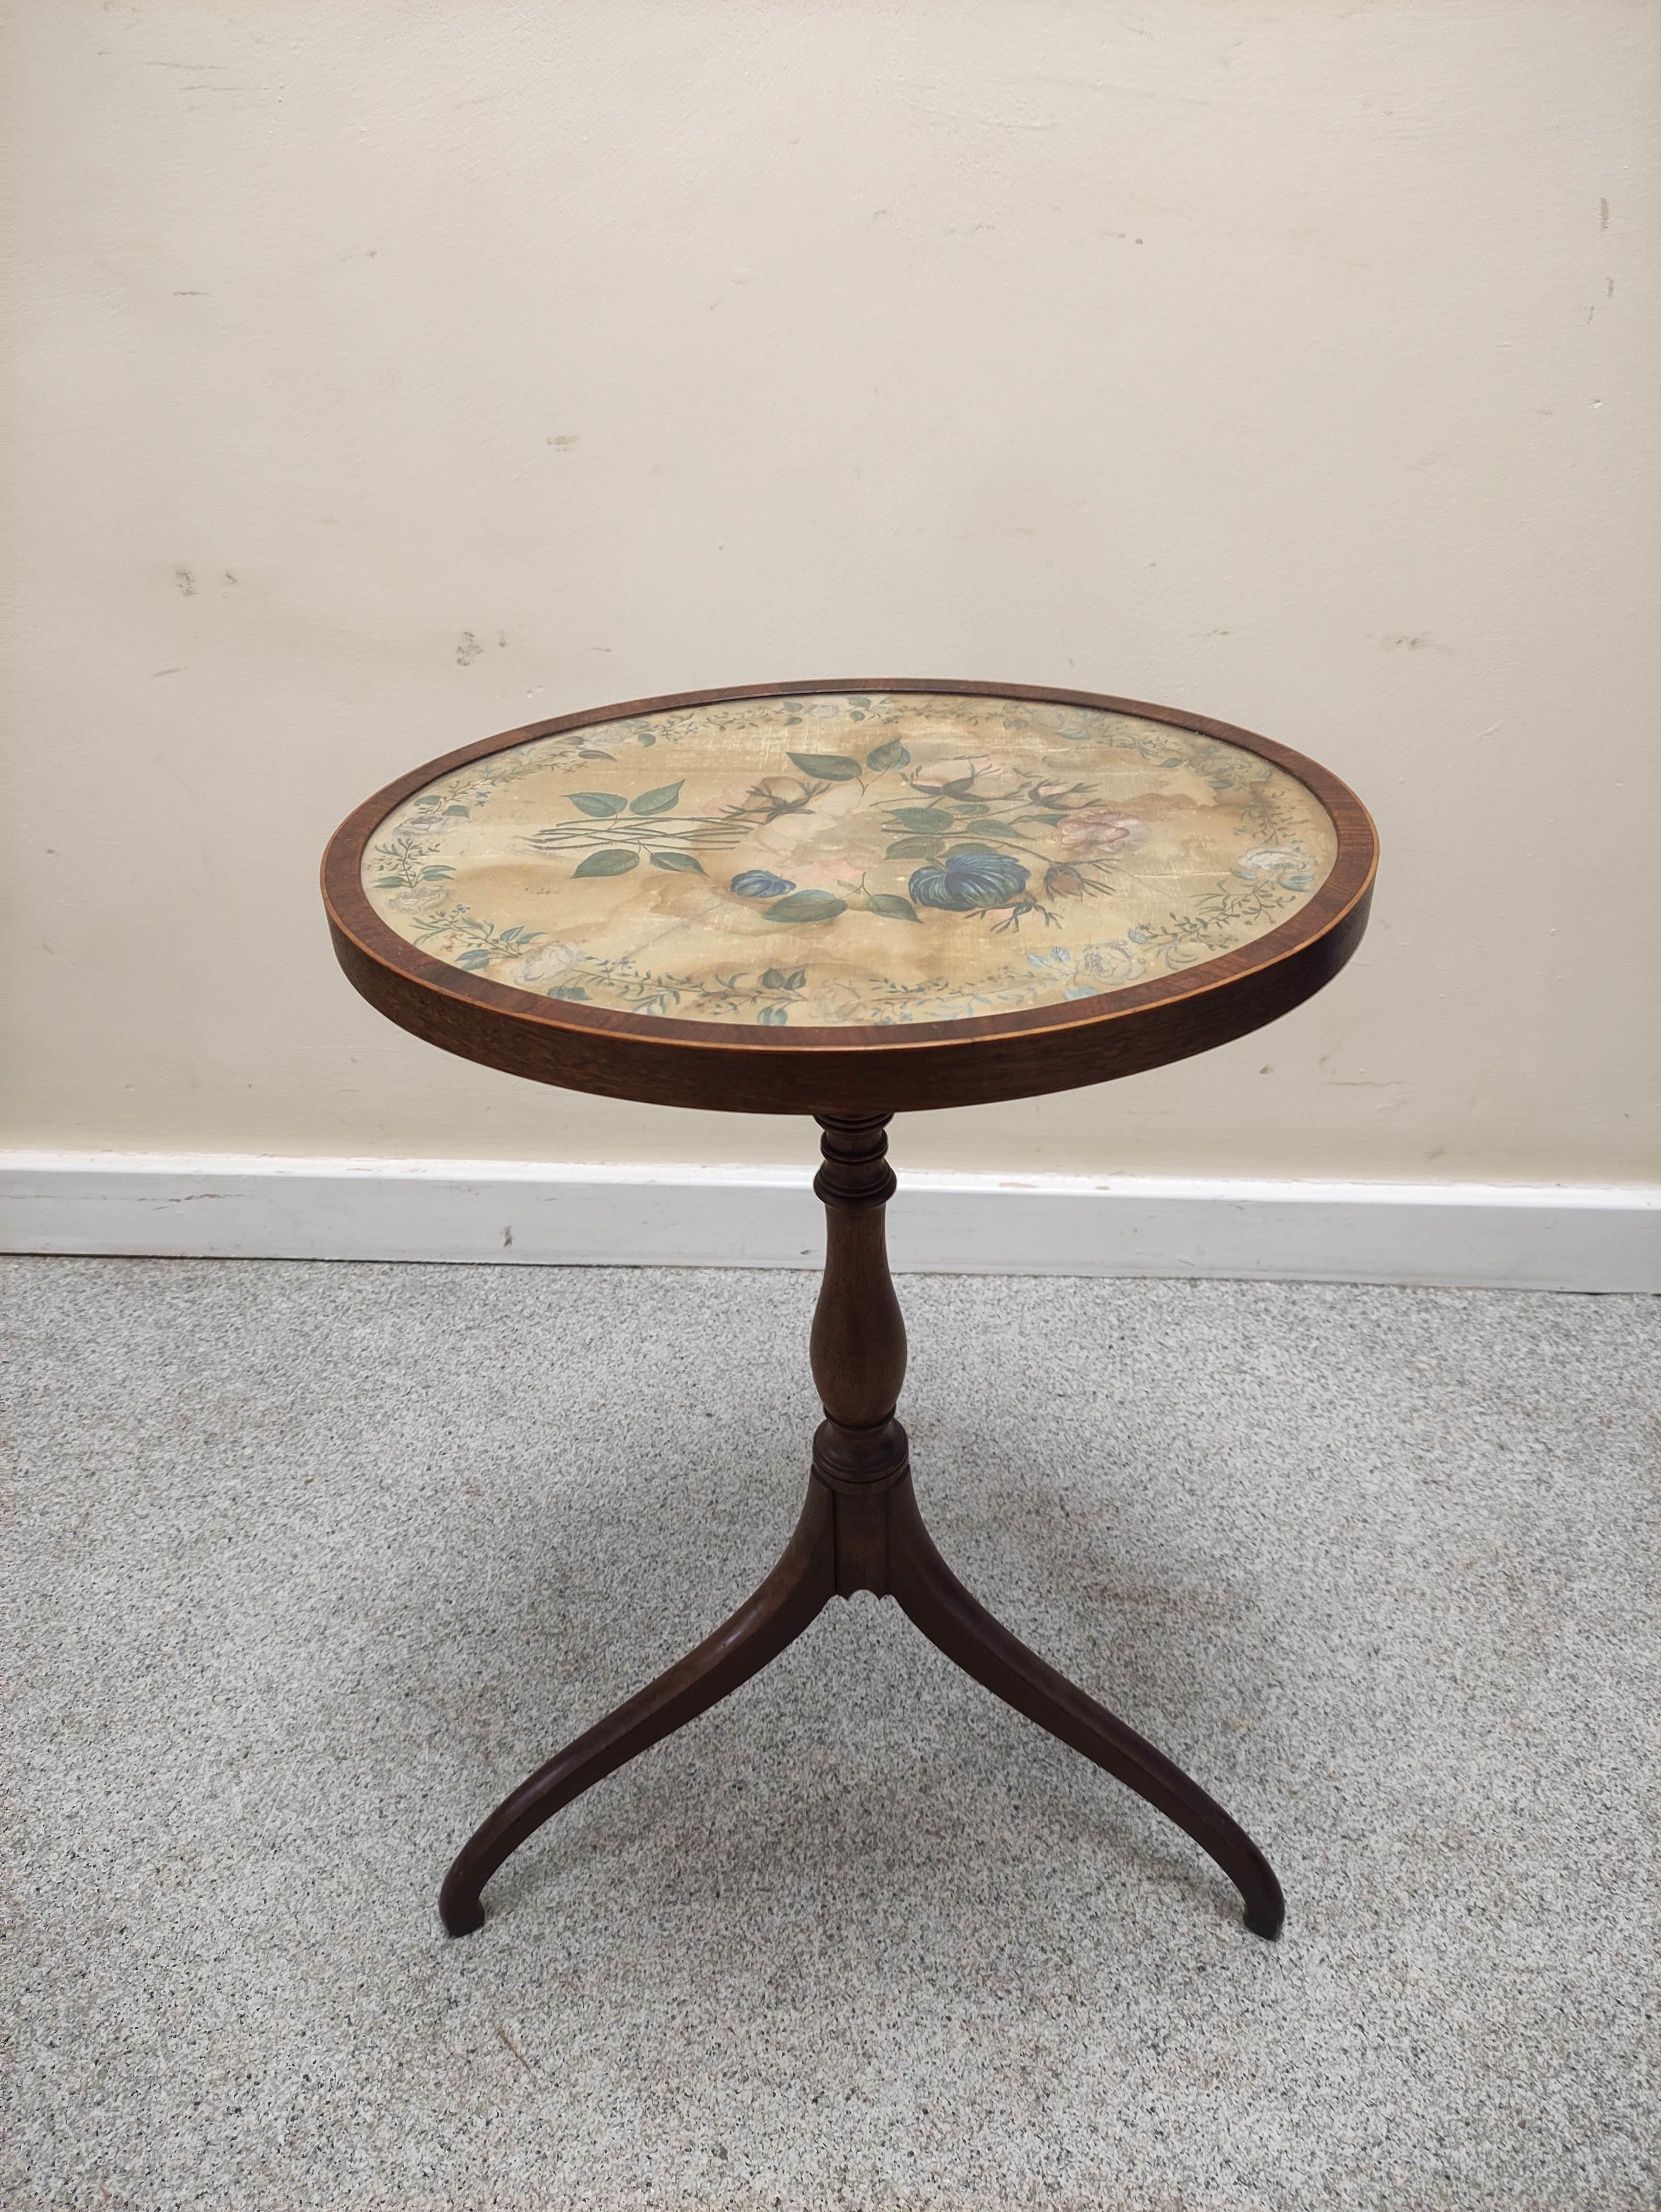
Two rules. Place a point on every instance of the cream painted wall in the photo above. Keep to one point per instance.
(396, 373)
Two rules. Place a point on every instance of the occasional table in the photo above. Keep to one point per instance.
(849, 900)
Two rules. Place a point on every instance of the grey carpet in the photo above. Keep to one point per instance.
(307, 1564)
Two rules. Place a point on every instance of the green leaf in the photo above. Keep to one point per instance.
(572, 991)
(663, 800)
(773, 979)
(951, 851)
(892, 755)
(773, 1017)
(461, 811)
(913, 849)
(795, 979)
(922, 817)
(598, 803)
(478, 956)
(614, 860)
(389, 883)
(678, 864)
(828, 768)
(807, 906)
(436, 875)
(897, 909)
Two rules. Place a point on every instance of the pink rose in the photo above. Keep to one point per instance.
(818, 846)
(982, 777)
(1099, 830)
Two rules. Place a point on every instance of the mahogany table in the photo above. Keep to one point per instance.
(847, 899)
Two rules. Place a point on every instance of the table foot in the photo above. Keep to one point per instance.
(792, 1596)
(937, 1603)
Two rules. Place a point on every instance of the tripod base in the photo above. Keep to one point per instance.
(861, 1535)
(860, 1530)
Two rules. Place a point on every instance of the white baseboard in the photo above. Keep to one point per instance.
(1498, 1236)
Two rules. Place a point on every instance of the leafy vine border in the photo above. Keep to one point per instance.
(1270, 879)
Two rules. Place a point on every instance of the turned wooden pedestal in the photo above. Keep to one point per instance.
(860, 1529)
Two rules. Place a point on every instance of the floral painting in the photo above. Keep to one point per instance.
(849, 859)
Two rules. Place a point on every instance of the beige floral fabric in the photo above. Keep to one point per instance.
(852, 859)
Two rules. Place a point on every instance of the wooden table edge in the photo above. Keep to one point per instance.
(672, 1060)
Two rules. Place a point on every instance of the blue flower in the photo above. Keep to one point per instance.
(968, 881)
(759, 883)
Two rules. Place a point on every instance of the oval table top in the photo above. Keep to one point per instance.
(850, 897)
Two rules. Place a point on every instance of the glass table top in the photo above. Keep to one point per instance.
(847, 859)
